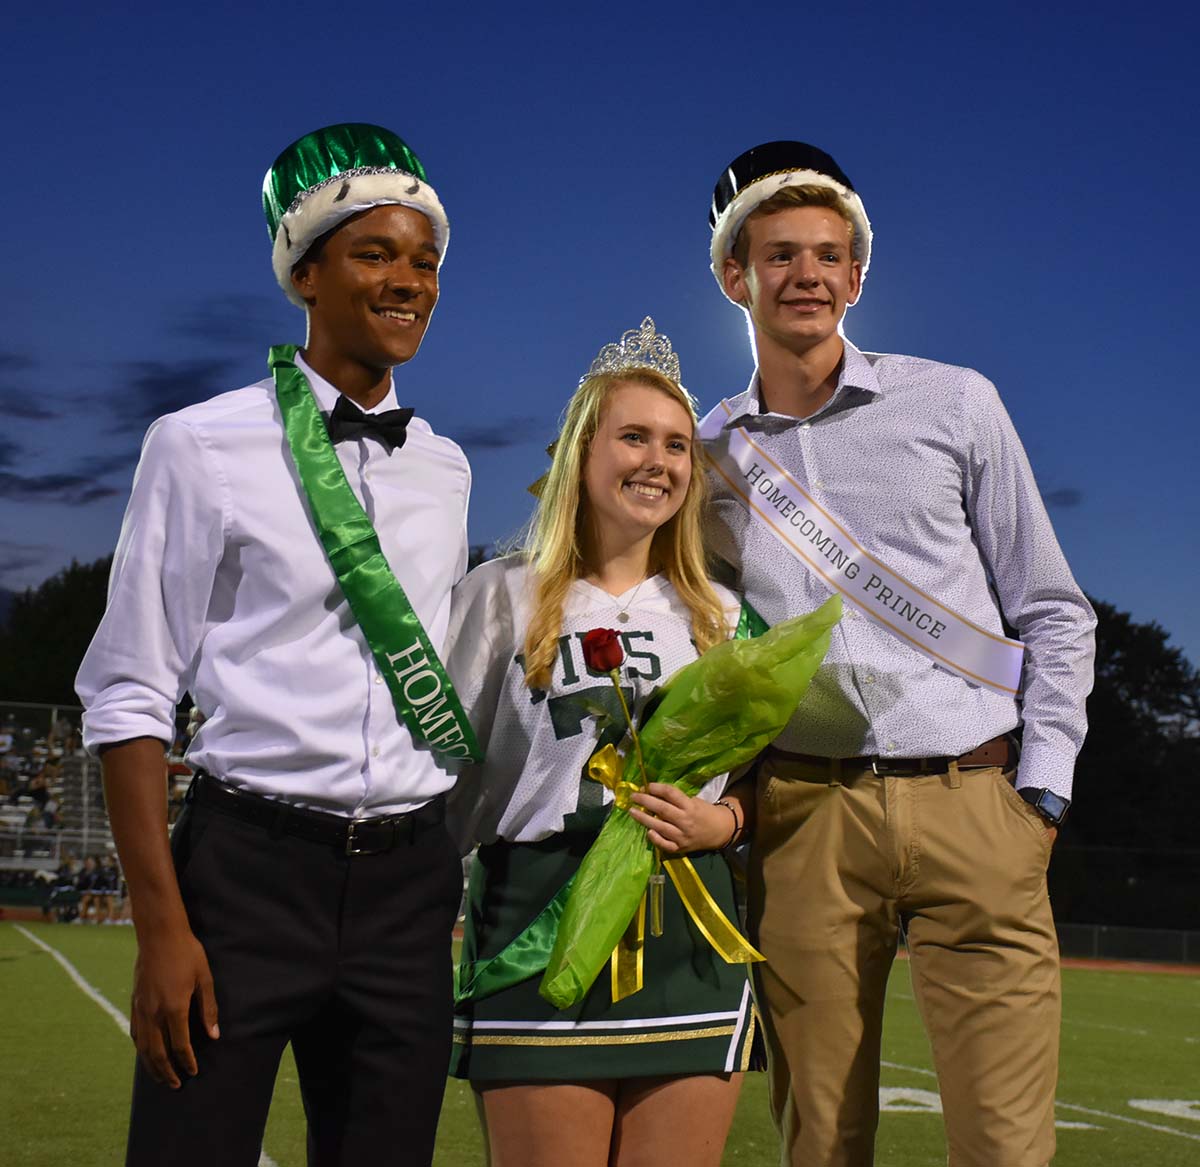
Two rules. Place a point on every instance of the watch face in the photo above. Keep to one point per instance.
(1053, 806)
(1049, 805)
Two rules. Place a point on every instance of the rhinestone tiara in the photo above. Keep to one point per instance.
(639, 348)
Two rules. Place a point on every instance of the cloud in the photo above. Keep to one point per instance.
(151, 388)
(499, 435)
(74, 489)
(237, 321)
(1067, 497)
(16, 558)
(82, 485)
(101, 465)
(230, 326)
(16, 400)
(20, 403)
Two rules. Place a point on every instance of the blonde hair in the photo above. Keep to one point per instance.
(808, 194)
(553, 549)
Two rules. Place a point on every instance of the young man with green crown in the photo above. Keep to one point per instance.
(287, 558)
(895, 799)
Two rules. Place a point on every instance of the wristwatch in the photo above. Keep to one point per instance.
(1052, 807)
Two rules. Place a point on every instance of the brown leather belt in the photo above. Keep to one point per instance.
(1000, 751)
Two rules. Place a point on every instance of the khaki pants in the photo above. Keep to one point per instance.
(960, 859)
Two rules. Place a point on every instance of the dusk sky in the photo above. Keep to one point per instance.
(1029, 170)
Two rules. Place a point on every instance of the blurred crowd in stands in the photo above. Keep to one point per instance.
(31, 777)
(37, 749)
(56, 851)
(91, 892)
(87, 892)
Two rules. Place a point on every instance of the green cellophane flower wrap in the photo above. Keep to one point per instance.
(712, 716)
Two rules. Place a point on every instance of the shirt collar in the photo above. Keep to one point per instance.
(327, 395)
(857, 373)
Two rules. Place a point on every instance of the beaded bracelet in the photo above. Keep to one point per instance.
(737, 826)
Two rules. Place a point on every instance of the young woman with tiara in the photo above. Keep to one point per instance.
(615, 543)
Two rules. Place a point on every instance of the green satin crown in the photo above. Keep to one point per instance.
(333, 173)
(324, 154)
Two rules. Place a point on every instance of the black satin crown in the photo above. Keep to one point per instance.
(771, 158)
(348, 422)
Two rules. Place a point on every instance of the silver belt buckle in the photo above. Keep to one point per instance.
(875, 768)
(352, 844)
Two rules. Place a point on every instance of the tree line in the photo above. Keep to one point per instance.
(1137, 781)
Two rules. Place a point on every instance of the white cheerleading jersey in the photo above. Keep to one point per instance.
(538, 742)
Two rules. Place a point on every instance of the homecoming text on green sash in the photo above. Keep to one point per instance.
(425, 699)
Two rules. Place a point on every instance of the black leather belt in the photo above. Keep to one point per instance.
(352, 836)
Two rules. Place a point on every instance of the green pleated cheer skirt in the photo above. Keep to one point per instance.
(693, 1015)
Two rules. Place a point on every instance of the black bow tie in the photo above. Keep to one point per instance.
(348, 421)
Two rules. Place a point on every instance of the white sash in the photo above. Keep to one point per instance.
(826, 547)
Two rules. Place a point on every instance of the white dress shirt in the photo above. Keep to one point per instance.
(922, 464)
(220, 588)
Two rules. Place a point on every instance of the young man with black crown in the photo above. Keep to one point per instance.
(287, 558)
(897, 798)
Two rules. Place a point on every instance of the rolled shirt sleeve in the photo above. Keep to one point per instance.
(141, 659)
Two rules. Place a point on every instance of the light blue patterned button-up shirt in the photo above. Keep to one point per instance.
(921, 462)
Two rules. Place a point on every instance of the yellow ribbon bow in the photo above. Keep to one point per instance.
(606, 766)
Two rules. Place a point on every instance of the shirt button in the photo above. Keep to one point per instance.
(807, 425)
(891, 746)
(374, 751)
(869, 680)
(819, 484)
(378, 679)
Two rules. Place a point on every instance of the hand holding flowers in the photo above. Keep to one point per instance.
(678, 824)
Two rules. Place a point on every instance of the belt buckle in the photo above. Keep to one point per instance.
(875, 769)
(353, 846)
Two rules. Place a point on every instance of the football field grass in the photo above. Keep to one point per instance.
(1129, 1089)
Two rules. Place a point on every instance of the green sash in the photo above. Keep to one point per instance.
(425, 699)
(528, 953)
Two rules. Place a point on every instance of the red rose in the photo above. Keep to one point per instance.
(602, 650)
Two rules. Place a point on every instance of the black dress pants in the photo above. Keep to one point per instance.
(346, 957)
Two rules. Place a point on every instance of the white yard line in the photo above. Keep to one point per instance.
(1105, 1025)
(89, 990)
(1152, 1126)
